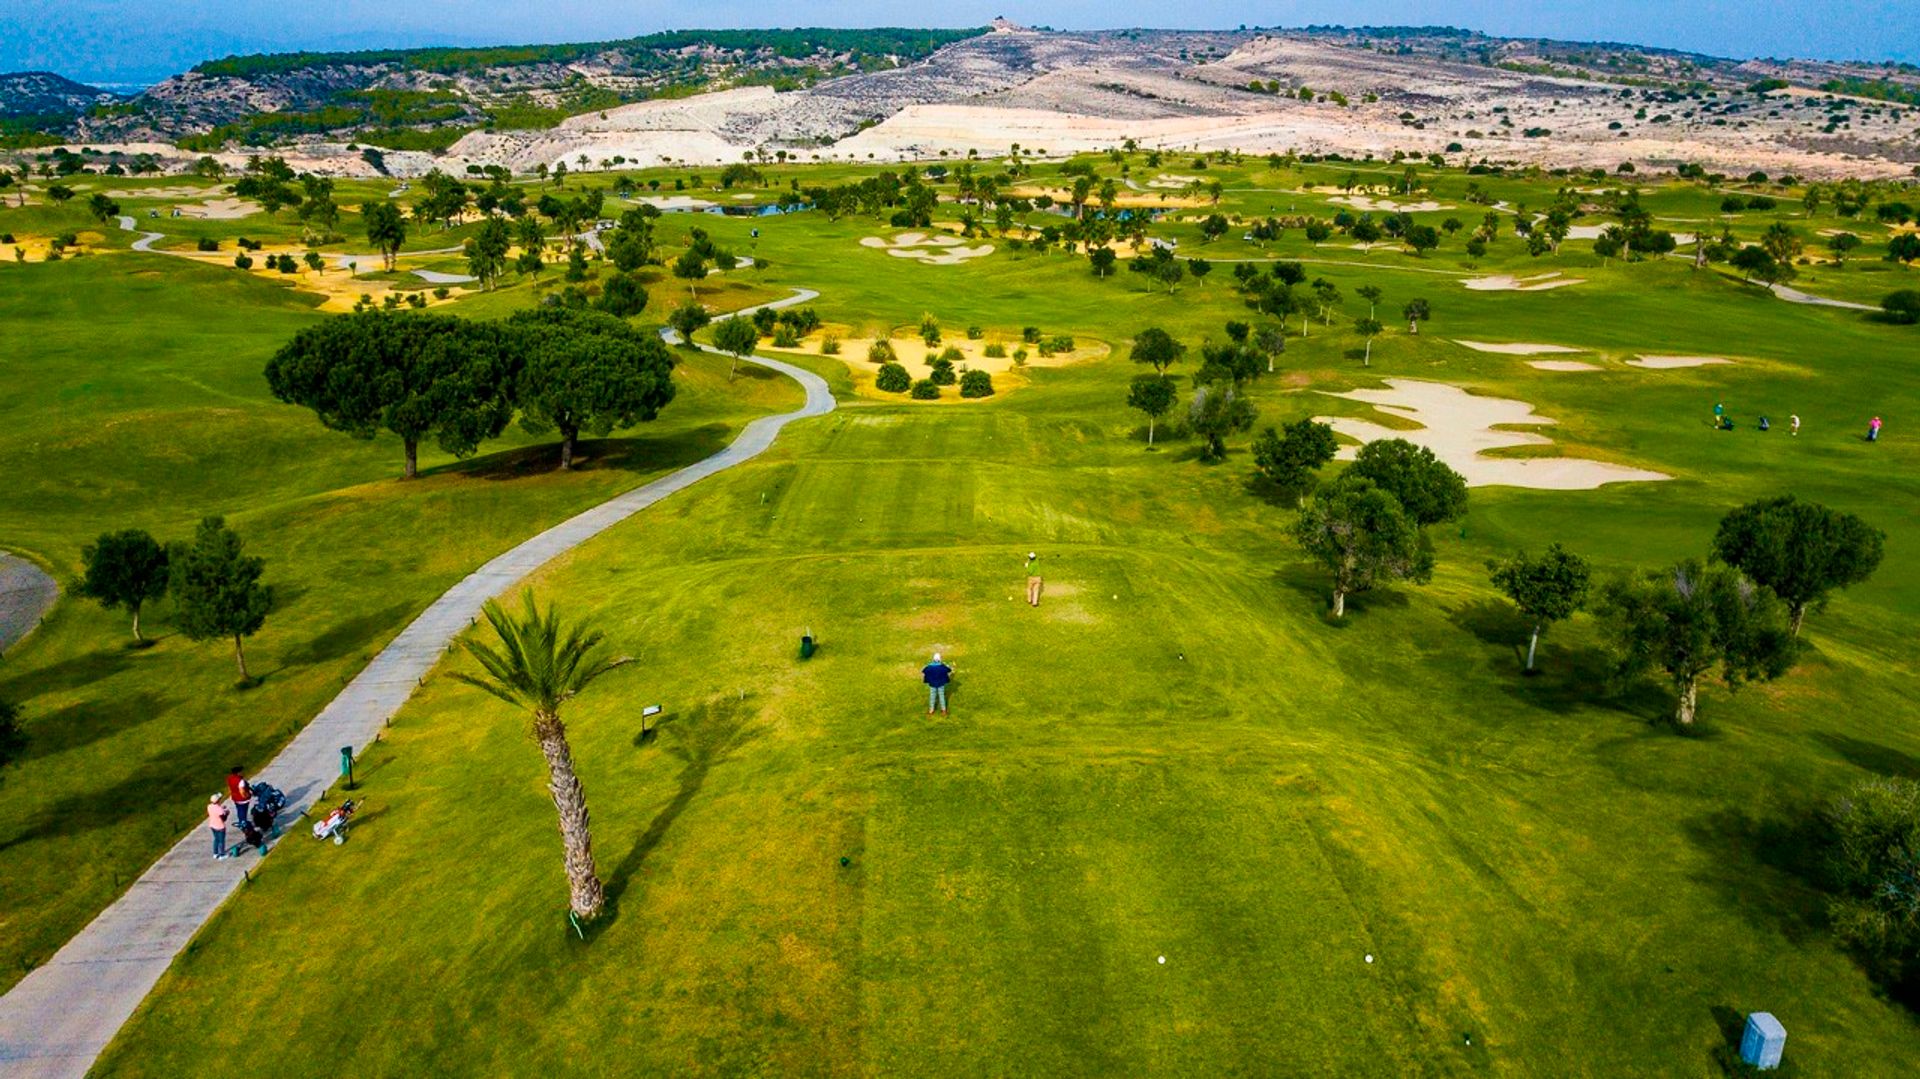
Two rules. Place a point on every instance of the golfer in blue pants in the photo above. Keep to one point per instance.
(936, 675)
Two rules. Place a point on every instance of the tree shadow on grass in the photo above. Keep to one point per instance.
(1872, 756)
(670, 452)
(181, 777)
(344, 638)
(707, 735)
(74, 672)
(82, 724)
(1768, 870)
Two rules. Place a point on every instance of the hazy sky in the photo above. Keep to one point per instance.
(144, 40)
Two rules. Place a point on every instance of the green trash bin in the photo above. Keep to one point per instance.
(806, 646)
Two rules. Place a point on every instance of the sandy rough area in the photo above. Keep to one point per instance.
(1563, 365)
(935, 249)
(1510, 283)
(1460, 427)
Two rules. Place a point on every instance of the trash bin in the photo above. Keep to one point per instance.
(1763, 1041)
(806, 646)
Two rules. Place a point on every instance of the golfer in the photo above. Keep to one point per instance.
(936, 675)
(1034, 584)
(1793, 422)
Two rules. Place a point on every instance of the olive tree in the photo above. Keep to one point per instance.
(1690, 618)
(1361, 535)
(1546, 589)
(1803, 551)
(124, 570)
(1290, 459)
(1153, 395)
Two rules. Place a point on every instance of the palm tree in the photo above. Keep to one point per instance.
(539, 666)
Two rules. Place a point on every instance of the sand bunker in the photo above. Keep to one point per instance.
(1667, 363)
(1366, 204)
(1510, 283)
(675, 202)
(1563, 365)
(1460, 427)
(178, 191)
(1515, 348)
(913, 352)
(1172, 180)
(227, 209)
(936, 249)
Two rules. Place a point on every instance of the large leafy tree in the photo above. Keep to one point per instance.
(1153, 395)
(541, 664)
(1361, 535)
(1546, 589)
(386, 228)
(217, 592)
(737, 337)
(1801, 550)
(583, 370)
(1691, 618)
(1218, 409)
(1290, 459)
(487, 250)
(124, 570)
(1157, 348)
(416, 375)
(1428, 490)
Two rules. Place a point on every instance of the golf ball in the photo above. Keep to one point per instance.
(1163, 960)
(1369, 958)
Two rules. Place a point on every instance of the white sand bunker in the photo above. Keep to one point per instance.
(1367, 204)
(1517, 348)
(228, 209)
(937, 250)
(1510, 283)
(1459, 428)
(675, 202)
(178, 191)
(1563, 365)
(1173, 180)
(1667, 363)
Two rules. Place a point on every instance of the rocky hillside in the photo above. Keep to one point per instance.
(42, 93)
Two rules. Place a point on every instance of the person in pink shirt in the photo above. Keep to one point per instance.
(217, 817)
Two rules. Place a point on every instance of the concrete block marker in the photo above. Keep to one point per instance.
(56, 1021)
(1763, 1042)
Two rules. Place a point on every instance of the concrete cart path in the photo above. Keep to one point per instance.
(59, 1018)
(26, 593)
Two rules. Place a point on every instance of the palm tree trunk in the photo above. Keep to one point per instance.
(586, 895)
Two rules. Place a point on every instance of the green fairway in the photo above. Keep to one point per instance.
(1176, 756)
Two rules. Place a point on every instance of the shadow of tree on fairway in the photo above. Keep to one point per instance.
(671, 452)
(182, 777)
(707, 735)
(1871, 756)
(74, 672)
(1767, 870)
(86, 722)
(344, 638)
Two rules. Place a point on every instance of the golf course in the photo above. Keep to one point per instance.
(1186, 815)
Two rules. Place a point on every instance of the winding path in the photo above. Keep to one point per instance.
(26, 593)
(57, 1020)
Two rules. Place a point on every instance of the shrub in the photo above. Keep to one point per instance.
(205, 243)
(1061, 343)
(1019, 357)
(416, 299)
(242, 261)
(1902, 306)
(442, 293)
(976, 384)
(925, 390)
(929, 330)
(893, 378)
(248, 245)
(1030, 334)
(975, 333)
(1873, 859)
(7, 238)
(830, 346)
(942, 372)
(784, 337)
(952, 354)
(882, 352)
(996, 352)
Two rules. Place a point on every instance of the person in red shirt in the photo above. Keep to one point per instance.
(238, 790)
